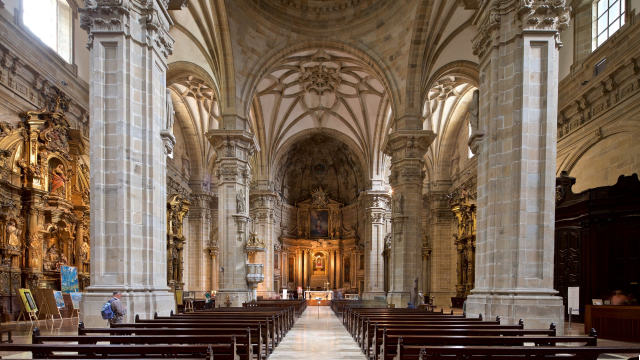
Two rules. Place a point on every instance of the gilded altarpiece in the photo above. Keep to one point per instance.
(319, 246)
(44, 202)
(464, 210)
(177, 209)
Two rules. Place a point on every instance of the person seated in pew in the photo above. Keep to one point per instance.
(410, 306)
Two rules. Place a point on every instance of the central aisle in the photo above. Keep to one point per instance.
(322, 339)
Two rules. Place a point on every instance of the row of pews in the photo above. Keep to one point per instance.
(247, 333)
(403, 334)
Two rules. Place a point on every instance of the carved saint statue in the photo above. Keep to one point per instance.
(12, 234)
(240, 202)
(474, 110)
(85, 251)
(58, 180)
(397, 204)
(170, 112)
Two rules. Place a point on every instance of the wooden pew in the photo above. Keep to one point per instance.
(515, 352)
(261, 339)
(271, 323)
(366, 338)
(384, 336)
(361, 320)
(259, 348)
(242, 342)
(276, 320)
(408, 347)
(62, 351)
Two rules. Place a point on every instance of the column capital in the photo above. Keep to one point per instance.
(110, 17)
(493, 21)
(375, 200)
(233, 143)
(168, 140)
(408, 144)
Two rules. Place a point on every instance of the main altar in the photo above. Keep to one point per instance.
(321, 252)
(324, 295)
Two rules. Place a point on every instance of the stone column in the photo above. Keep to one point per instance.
(375, 204)
(213, 252)
(339, 263)
(517, 44)
(439, 220)
(198, 240)
(332, 268)
(263, 203)
(298, 270)
(305, 270)
(130, 138)
(406, 149)
(234, 149)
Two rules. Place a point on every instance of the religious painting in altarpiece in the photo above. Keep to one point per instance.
(44, 203)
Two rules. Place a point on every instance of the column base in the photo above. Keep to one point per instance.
(373, 295)
(399, 299)
(442, 299)
(538, 310)
(236, 297)
(266, 294)
(144, 304)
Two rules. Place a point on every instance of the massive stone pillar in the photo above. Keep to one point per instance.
(234, 149)
(517, 44)
(443, 264)
(198, 241)
(129, 42)
(375, 204)
(406, 149)
(263, 204)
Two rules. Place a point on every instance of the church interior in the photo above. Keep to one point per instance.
(379, 160)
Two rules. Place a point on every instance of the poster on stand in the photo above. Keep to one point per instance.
(59, 300)
(69, 279)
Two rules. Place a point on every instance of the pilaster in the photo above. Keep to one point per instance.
(198, 277)
(517, 44)
(263, 204)
(376, 205)
(406, 149)
(128, 42)
(234, 149)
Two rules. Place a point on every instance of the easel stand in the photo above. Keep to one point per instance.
(32, 317)
(75, 313)
(188, 306)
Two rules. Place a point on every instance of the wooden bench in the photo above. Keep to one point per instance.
(242, 342)
(6, 329)
(526, 352)
(66, 351)
(409, 347)
(263, 344)
(385, 336)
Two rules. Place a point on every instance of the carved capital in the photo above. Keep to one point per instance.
(543, 14)
(105, 16)
(408, 144)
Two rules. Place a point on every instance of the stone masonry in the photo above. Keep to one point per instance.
(517, 43)
(129, 44)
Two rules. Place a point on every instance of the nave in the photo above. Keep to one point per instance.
(323, 338)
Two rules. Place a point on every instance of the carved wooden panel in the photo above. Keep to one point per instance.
(567, 260)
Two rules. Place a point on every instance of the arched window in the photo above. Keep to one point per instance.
(50, 20)
(470, 155)
(610, 18)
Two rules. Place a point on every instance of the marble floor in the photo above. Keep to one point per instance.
(323, 338)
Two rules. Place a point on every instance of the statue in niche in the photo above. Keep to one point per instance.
(397, 204)
(170, 112)
(12, 234)
(58, 181)
(51, 257)
(85, 251)
(240, 202)
(474, 111)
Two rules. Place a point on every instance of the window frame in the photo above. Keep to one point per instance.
(623, 6)
(69, 66)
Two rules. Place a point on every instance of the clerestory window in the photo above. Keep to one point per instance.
(610, 19)
(50, 20)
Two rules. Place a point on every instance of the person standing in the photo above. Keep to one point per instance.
(119, 311)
